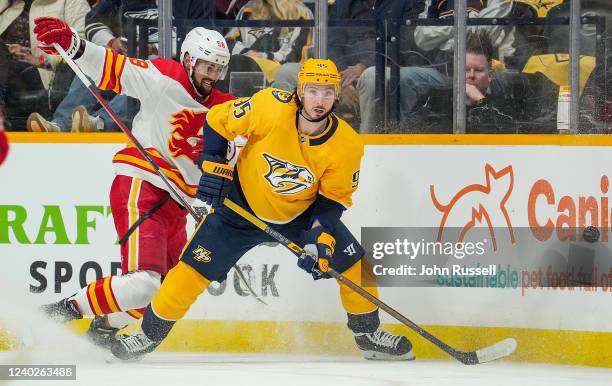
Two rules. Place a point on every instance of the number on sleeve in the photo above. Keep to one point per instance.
(139, 63)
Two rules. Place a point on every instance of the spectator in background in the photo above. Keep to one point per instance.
(228, 9)
(353, 48)
(595, 88)
(266, 48)
(4, 76)
(489, 108)
(16, 24)
(104, 23)
(79, 110)
(21, 89)
(417, 83)
(105, 26)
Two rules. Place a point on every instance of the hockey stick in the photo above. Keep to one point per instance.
(496, 351)
(94, 91)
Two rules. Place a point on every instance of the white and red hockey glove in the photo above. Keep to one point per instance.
(51, 30)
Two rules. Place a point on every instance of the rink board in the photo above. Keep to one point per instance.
(54, 193)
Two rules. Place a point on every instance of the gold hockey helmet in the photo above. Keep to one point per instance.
(320, 71)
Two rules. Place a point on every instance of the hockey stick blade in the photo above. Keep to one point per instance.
(496, 351)
(490, 353)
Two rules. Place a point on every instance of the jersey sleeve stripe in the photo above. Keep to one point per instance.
(108, 66)
(114, 64)
(172, 175)
(115, 82)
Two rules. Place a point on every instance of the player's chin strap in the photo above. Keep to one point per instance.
(94, 91)
(190, 74)
(315, 120)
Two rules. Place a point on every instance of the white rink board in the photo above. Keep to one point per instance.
(394, 191)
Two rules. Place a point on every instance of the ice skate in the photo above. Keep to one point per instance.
(63, 311)
(132, 347)
(100, 333)
(382, 345)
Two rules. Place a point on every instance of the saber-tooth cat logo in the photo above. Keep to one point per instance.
(287, 178)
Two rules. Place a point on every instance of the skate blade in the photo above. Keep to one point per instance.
(378, 356)
(114, 360)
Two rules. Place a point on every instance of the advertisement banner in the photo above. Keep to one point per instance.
(57, 232)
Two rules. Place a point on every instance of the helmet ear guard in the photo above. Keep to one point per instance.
(319, 71)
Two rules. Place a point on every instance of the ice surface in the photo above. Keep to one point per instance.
(47, 343)
(271, 370)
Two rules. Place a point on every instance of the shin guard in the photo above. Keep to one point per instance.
(353, 302)
(178, 292)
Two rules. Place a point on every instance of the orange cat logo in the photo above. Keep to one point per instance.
(477, 204)
(187, 128)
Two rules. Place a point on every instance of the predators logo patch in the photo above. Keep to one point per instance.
(282, 96)
(287, 178)
(202, 254)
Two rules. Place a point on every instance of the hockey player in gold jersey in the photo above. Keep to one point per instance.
(297, 173)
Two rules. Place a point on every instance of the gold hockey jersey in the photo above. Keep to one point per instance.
(280, 169)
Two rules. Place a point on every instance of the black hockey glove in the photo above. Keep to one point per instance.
(215, 180)
(320, 245)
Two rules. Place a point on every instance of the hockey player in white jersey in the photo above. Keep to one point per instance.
(150, 223)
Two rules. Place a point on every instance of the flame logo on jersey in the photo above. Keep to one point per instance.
(287, 178)
(187, 128)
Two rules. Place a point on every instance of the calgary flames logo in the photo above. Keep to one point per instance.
(186, 130)
(286, 177)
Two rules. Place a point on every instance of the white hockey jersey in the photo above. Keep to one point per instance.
(170, 120)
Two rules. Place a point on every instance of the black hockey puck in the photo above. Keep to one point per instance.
(590, 234)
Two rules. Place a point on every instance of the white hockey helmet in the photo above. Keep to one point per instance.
(205, 44)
